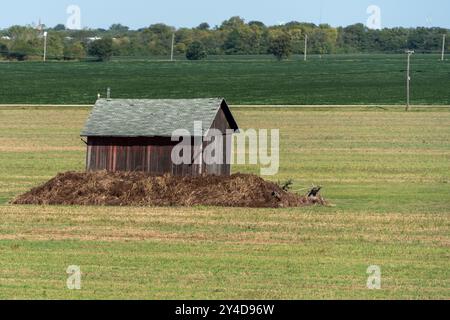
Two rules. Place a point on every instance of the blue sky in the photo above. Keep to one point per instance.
(189, 13)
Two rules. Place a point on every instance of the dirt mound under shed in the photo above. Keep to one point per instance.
(140, 189)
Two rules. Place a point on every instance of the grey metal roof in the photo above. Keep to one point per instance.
(149, 118)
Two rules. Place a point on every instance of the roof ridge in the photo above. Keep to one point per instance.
(158, 99)
(150, 117)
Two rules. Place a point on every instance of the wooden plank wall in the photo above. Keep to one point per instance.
(220, 123)
(152, 155)
(128, 154)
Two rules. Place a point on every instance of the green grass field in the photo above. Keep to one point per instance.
(336, 80)
(386, 171)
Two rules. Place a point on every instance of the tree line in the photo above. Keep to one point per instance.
(233, 37)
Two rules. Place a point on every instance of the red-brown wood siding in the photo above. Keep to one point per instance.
(220, 123)
(152, 155)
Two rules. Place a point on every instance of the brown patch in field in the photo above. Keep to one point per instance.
(244, 226)
(141, 189)
(374, 151)
(37, 148)
(256, 238)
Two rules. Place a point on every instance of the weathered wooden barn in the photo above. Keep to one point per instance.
(136, 135)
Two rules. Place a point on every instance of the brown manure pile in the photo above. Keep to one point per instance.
(141, 189)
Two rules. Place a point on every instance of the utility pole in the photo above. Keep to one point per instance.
(306, 46)
(45, 46)
(408, 80)
(173, 43)
(443, 48)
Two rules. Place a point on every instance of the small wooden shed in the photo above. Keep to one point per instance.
(136, 135)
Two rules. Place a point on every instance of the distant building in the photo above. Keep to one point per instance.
(136, 135)
(40, 26)
(92, 39)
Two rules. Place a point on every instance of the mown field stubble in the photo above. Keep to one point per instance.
(386, 171)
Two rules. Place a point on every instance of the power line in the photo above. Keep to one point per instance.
(173, 43)
(45, 45)
(306, 46)
(408, 79)
(443, 48)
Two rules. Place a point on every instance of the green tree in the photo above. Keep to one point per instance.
(233, 36)
(322, 40)
(102, 49)
(59, 27)
(204, 26)
(74, 51)
(118, 29)
(25, 43)
(22, 49)
(180, 48)
(354, 38)
(258, 24)
(235, 42)
(196, 51)
(4, 51)
(158, 39)
(233, 23)
(55, 45)
(280, 45)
